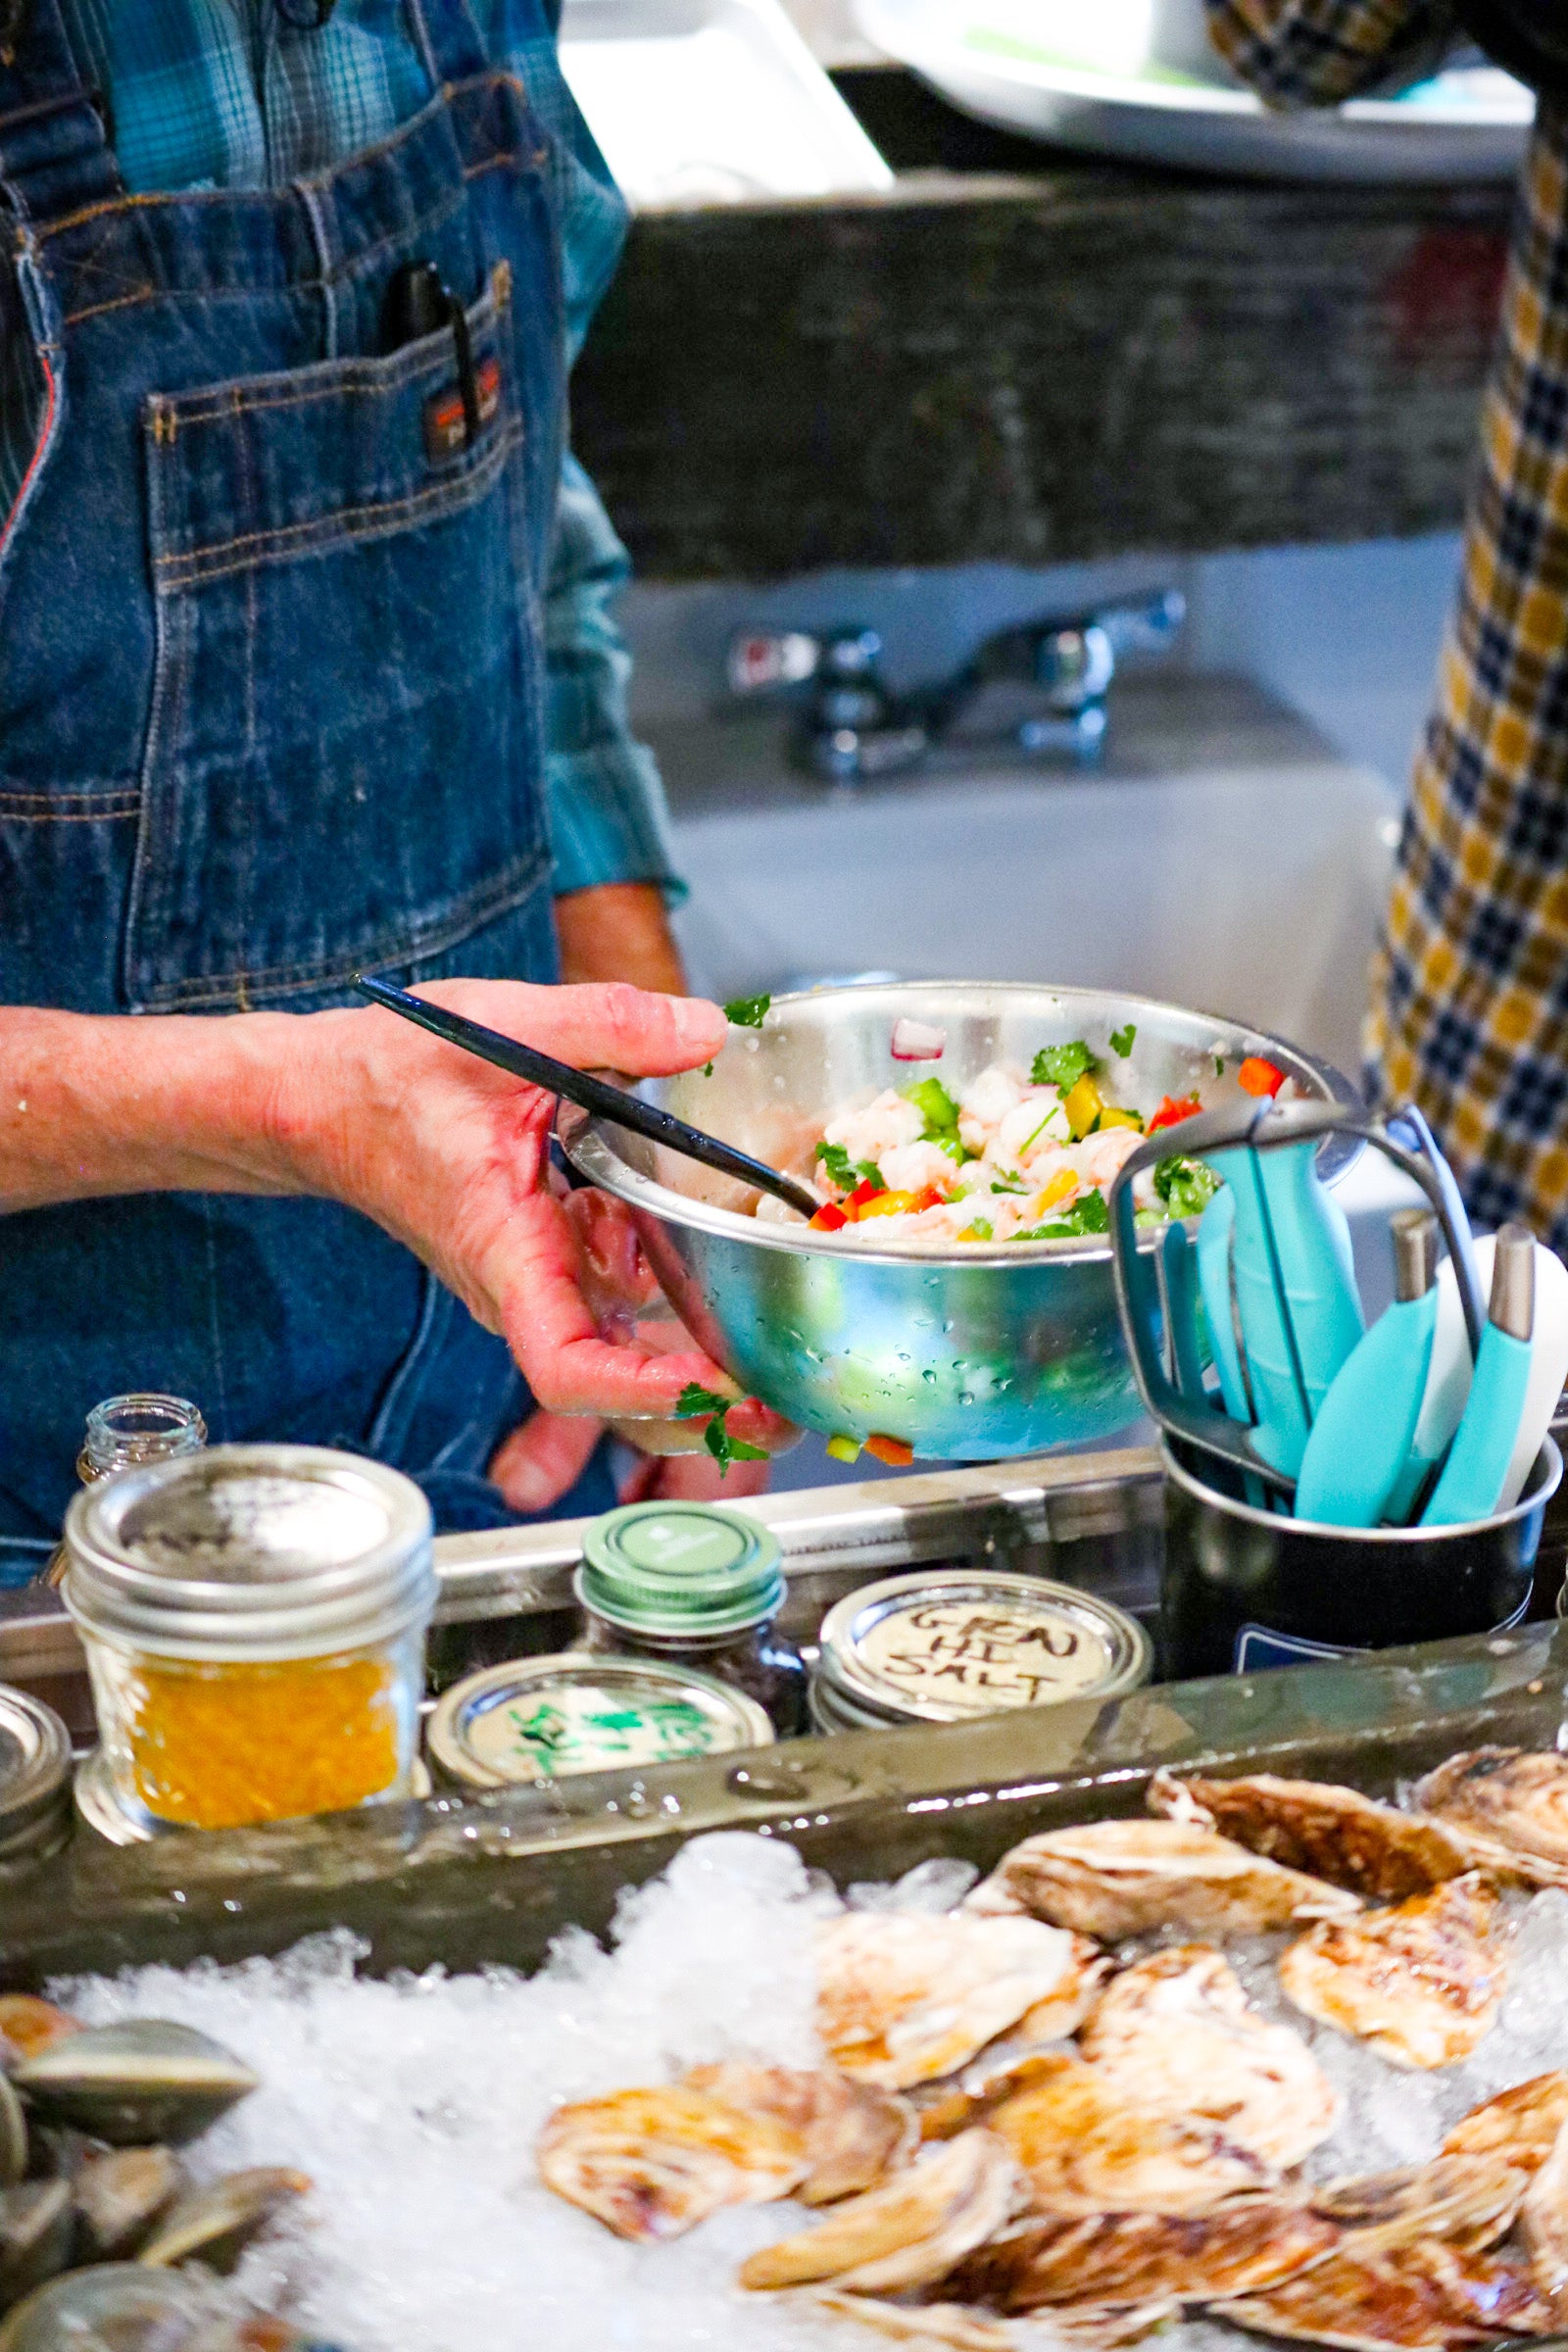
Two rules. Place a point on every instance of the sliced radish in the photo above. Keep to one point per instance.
(918, 1041)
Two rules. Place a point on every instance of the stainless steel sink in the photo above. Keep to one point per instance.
(1222, 856)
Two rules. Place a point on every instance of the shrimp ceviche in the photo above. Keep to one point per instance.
(1008, 1156)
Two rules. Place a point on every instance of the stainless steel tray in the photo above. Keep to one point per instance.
(497, 1877)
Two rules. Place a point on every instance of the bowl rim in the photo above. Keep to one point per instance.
(584, 1140)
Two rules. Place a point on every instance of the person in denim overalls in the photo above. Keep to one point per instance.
(270, 689)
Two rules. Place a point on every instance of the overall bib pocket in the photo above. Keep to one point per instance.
(344, 745)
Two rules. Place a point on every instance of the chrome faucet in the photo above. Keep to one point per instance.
(1041, 686)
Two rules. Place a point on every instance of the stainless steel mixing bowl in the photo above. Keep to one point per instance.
(966, 1355)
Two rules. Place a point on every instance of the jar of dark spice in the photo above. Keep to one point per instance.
(700, 1585)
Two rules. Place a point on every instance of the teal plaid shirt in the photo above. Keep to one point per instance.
(228, 94)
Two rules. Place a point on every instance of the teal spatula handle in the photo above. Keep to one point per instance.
(1362, 1434)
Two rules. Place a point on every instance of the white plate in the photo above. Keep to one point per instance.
(1112, 78)
(699, 102)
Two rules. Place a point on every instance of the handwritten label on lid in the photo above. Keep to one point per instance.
(984, 1654)
(584, 1727)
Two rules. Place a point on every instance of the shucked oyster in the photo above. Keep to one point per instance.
(1313, 1826)
(1469, 2201)
(1176, 2032)
(1125, 1878)
(1521, 2124)
(1422, 1981)
(1510, 1807)
(853, 2133)
(1422, 2298)
(653, 2163)
(1088, 2146)
(911, 2229)
(1146, 2257)
(904, 1999)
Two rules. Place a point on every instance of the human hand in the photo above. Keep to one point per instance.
(450, 1156)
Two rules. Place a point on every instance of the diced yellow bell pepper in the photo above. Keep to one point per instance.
(844, 1450)
(886, 1205)
(1083, 1105)
(1115, 1117)
(1063, 1186)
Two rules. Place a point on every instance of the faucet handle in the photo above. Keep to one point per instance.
(762, 661)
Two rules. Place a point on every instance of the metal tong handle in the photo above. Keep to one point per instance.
(1261, 1126)
(593, 1095)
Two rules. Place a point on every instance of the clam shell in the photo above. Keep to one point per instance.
(13, 2136)
(118, 2197)
(36, 2229)
(114, 2307)
(214, 2225)
(133, 2084)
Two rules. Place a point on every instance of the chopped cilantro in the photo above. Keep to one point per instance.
(938, 1110)
(1186, 1186)
(694, 1401)
(1121, 1039)
(1008, 1188)
(1220, 1066)
(1063, 1066)
(748, 1013)
(708, 1069)
(1086, 1215)
(846, 1172)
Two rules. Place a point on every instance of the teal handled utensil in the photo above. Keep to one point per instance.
(1182, 1306)
(1360, 1439)
(1299, 1313)
(1216, 1228)
(1473, 1477)
(1410, 1127)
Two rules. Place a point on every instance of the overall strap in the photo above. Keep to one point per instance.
(454, 48)
(54, 156)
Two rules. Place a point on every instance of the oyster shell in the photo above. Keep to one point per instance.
(135, 2082)
(1421, 1983)
(1509, 1805)
(1316, 1827)
(653, 2163)
(1544, 2221)
(910, 2231)
(1521, 2124)
(854, 2132)
(946, 2324)
(1469, 2201)
(1087, 2146)
(1113, 1879)
(1146, 2257)
(118, 2197)
(1176, 2032)
(1423, 2297)
(905, 1999)
(213, 2225)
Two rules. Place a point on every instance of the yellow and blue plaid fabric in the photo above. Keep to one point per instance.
(255, 93)
(1469, 1007)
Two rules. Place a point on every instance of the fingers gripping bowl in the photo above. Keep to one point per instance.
(965, 1352)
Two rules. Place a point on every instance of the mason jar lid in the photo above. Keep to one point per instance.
(947, 1644)
(251, 1551)
(680, 1568)
(34, 1776)
(536, 1719)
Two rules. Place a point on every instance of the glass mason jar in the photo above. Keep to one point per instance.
(124, 1431)
(698, 1585)
(254, 1619)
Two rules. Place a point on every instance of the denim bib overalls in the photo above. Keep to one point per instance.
(272, 706)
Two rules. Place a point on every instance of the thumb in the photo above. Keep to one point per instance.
(543, 1458)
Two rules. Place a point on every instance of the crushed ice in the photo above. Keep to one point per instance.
(414, 2103)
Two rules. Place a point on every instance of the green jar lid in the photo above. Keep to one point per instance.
(680, 1568)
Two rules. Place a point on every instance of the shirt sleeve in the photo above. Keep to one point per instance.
(605, 801)
(1298, 53)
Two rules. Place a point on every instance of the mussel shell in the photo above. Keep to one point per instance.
(213, 2225)
(119, 2197)
(133, 2084)
(13, 2136)
(37, 2229)
(114, 2307)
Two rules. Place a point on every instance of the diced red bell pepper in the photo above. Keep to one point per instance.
(892, 1450)
(829, 1218)
(930, 1195)
(1173, 1110)
(1260, 1077)
(854, 1201)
